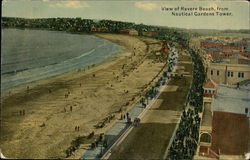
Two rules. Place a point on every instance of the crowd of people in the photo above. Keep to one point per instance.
(185, 141)
(152, 93)
(195, 96)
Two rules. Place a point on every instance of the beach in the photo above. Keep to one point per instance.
(39, 118)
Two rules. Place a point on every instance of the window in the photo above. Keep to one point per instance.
(218, 72)
(228, 74)
(205, 137)
(241, 74)
(232, 74)
(212, 72)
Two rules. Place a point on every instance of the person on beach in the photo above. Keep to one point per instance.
(66, 95)
(93, 145)
(96, 142)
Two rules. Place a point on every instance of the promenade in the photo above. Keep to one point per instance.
(158, 121)
(151, 138)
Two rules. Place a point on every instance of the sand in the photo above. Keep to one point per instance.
(48, 126)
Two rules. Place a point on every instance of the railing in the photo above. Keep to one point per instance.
(217, 155)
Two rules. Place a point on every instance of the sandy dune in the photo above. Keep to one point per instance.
(48, 126)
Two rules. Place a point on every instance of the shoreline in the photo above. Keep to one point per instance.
(113, 56)
(94, 94)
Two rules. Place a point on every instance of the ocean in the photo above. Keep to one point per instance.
(30, 55)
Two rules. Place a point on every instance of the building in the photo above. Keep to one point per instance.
(217, 54)
(206, 118)
(228, 73)
(209, 88)
(132, 32)
(212, 44)
(219, 50)
(238, 59)
(224, 129)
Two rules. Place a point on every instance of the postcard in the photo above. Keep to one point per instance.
(128, 79)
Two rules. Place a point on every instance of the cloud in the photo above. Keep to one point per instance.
(69, 4)
(146, 5)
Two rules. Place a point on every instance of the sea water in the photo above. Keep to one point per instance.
(30, 55)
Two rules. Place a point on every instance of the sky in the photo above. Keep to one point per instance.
(146, 12)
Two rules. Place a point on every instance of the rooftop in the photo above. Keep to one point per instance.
(220, 61)
(213, 49)
(210, 84)
(230, 99)
(238, 56)
(230, 133)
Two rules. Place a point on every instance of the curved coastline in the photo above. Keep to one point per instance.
(90, 96)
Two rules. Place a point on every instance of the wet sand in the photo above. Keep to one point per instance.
(47, 128)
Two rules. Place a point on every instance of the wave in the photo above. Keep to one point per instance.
(14, 71)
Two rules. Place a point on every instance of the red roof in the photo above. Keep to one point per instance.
(230, 133)
(124, 31)
(210, 84)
